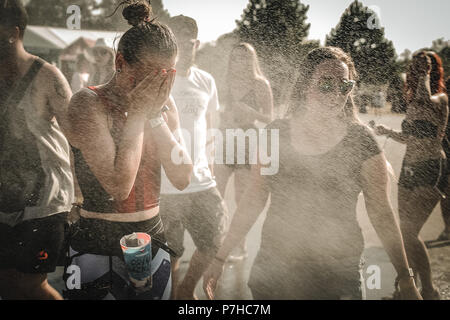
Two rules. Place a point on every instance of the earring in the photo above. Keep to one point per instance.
(119, 70)
(11, 40)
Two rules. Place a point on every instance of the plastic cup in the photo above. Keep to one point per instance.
(137, 254)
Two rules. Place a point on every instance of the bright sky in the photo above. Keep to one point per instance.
(411, 24)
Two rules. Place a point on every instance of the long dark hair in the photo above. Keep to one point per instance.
(146, 36)
(437, 84)
(13, 14)
(306, 71)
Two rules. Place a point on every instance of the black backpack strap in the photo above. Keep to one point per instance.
(22, 85)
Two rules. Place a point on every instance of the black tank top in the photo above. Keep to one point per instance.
(313, 199)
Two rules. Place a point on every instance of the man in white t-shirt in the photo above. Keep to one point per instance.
(199, 208)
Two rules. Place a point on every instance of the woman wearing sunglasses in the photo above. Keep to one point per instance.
(311, 242)
(423, 179)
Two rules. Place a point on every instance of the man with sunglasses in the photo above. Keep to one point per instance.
(199, 208)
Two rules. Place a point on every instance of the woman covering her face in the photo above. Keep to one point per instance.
(120, 139)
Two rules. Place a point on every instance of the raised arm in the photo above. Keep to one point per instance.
(375, 188)
(170, 144)
(116, 169)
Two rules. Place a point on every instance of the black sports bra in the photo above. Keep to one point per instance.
(420, 129)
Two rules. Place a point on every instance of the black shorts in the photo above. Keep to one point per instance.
(203, 214)
(432, 173)
(33, 246)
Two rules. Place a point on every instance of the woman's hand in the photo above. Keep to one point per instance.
(381, 130)
(408, 290)
(149, 96)
(422, 65)
(211, 276)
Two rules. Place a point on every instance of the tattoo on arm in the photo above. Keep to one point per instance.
(59, 89)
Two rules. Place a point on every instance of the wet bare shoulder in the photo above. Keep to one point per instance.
(86, 116)
(440, 102)
(441, 99)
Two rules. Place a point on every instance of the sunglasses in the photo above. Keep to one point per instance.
(329, 85)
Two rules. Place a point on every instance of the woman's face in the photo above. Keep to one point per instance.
(329, 87)
(102, 56)
(140, 70)
(240, 63)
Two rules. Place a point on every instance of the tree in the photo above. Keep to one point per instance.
(439, 44)
(374, 55)
(277, 29)
(445, 55)
(94, 14)
(105, 19)
(273, 25)
(159, 11)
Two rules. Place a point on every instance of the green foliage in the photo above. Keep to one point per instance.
(278, 30)
(159, 11)
(94, 14)
(374, 56)
(274, 26)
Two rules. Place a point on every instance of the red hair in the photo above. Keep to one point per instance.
(437, 84)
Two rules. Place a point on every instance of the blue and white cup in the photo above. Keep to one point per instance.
(137, 252)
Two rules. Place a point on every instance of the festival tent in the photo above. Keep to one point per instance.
(49, 42)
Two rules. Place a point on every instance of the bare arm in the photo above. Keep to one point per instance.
(210, 143)
(248, 210)
(441, 103)
(178, 174)
(398, 136)
(379, 209)
(58, 94)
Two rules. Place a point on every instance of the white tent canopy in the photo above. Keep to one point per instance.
(48, 38)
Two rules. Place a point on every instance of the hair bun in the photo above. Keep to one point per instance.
(137, 13)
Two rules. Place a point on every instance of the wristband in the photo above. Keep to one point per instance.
(219, 259)
(157, 122)
(409, 274)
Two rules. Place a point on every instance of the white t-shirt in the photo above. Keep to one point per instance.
(195, 96)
